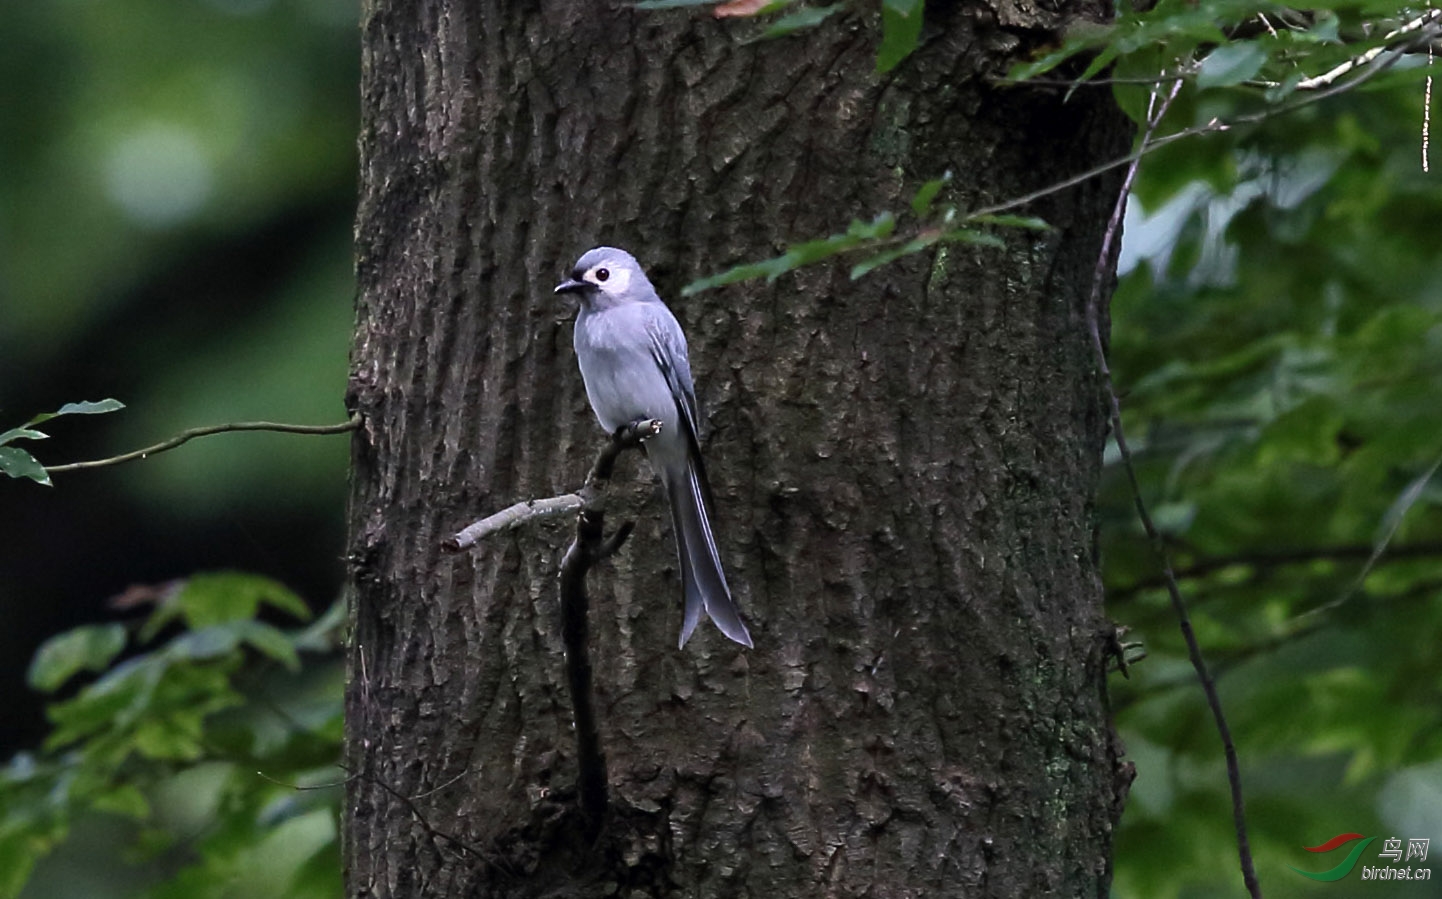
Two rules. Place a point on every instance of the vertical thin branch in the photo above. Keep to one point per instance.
(589, 547)
(575, 631)
(1427, 115)
(1156, 110)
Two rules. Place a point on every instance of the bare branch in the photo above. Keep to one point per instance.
(588, 496)
(186, 436)
(1155, 112)
(511, 516)
(1332, 75)
(589, 547)
(1264, 561)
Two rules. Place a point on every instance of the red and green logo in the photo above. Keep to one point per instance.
(1344, 867)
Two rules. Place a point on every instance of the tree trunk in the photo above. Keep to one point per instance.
(904, 465)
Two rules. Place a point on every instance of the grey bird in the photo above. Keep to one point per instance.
(633, 361)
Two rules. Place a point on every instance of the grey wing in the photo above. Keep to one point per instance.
(668, 348)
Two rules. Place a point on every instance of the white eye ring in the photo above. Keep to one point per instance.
(612, 278)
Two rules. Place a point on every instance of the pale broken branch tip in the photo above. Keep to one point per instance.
(589, 496)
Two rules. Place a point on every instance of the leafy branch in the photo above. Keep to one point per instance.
(19, 463)
(950, 224)
(162, 706)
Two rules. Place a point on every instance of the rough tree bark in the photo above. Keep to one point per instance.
(904, 464)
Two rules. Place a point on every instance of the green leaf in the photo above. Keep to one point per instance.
(18, 854)
(174, 737)
(742, 272)
(915, 245)
(1231, 64)
(22, 434)
(1014, 221)
(900, 28)
(204, 644)
(857, 233)
(809, 17)
(111, 703)
(1285, 88)
(91, 408)
(878, 228)
(1324, 28)
(271, 642)
(979, 238)
(224, 596)
(1103, 59)
(96, 407)
(926, 195)
(323, 634)
(125, 800)
(1050, 61)
(89, 648)
(17, 463)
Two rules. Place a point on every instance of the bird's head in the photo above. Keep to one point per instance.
(608, 276)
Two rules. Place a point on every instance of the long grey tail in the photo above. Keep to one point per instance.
(701, 575)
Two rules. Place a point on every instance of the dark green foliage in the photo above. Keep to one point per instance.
(218, 758)
(1276, 337)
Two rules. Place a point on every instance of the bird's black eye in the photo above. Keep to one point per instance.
(602, 274)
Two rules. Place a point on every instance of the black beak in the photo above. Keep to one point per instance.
(571, 285)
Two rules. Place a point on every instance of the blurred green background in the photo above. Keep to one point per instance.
(177, 183)
(177, 179)
(175, 213)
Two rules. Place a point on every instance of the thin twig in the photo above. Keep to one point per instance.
(590, 493)
(1231, 659)
(1408, 497)
(434, 832)
(1156, 143)
(1427, 115)
(1071, 84)
(1267, 560)
(186, 436)
(301, 788)
(1333, 74)
(1209, 687)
